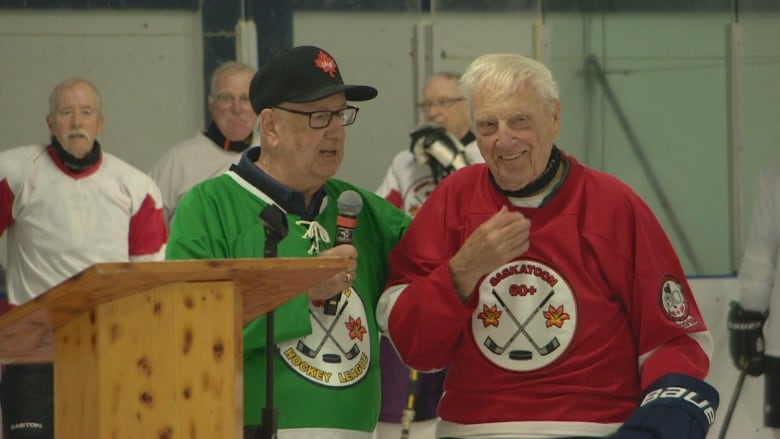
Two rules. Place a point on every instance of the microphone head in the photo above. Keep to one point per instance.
(349, 203)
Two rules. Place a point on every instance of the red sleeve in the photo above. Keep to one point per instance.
(148, 233)
(394, 197)
(423, 322)
(420, 321)
(670, 331)
(6, 202)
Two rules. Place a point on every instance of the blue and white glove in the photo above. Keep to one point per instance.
(673, 407)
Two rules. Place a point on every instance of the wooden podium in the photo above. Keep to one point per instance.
(153, 350)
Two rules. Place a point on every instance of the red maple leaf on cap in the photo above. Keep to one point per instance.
(325, 63)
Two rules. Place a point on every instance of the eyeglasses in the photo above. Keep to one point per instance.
(226, 100)
(321, 119)
(441, 103)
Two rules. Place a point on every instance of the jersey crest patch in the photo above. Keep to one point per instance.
(338, 351)
(675, 305)
(526, 317)
(417, 193)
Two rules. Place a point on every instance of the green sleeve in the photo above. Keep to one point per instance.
(192, 234)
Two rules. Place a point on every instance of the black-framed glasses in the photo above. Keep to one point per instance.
(441, 103)
(322, 118)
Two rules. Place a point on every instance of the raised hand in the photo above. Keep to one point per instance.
(501, 238)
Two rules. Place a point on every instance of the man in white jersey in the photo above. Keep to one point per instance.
(211, 152)
(67, 205)
(441, 145)
(759, 298)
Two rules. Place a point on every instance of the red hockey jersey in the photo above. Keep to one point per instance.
(561, 341)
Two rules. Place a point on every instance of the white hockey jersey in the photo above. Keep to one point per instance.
(759, 272)
(407, 184)
(60, 223)
(187, 164)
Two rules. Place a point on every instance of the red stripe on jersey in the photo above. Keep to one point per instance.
(76, 175)
(147, 229)
(6, 202)
(394, 197)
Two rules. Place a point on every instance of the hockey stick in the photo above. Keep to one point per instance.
(311, 353)
(498, 350)
(407, 415)
(732, 404)
(521, 355)
(544, 350)
(350, 354)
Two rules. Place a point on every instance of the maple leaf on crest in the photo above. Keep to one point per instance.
(489, 316)
(555, 316)
(355, 328)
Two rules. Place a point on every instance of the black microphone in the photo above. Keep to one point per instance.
(349, 204)
(276, 228)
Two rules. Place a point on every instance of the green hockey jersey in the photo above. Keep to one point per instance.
(326, 371)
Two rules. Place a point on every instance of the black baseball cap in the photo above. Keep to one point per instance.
(302, 74)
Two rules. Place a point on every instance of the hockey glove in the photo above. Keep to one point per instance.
(433, 145)
(746, 339)
(674, 407)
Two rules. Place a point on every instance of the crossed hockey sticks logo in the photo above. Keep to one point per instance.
(329, 358)
(497, 349)
(351, 353)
